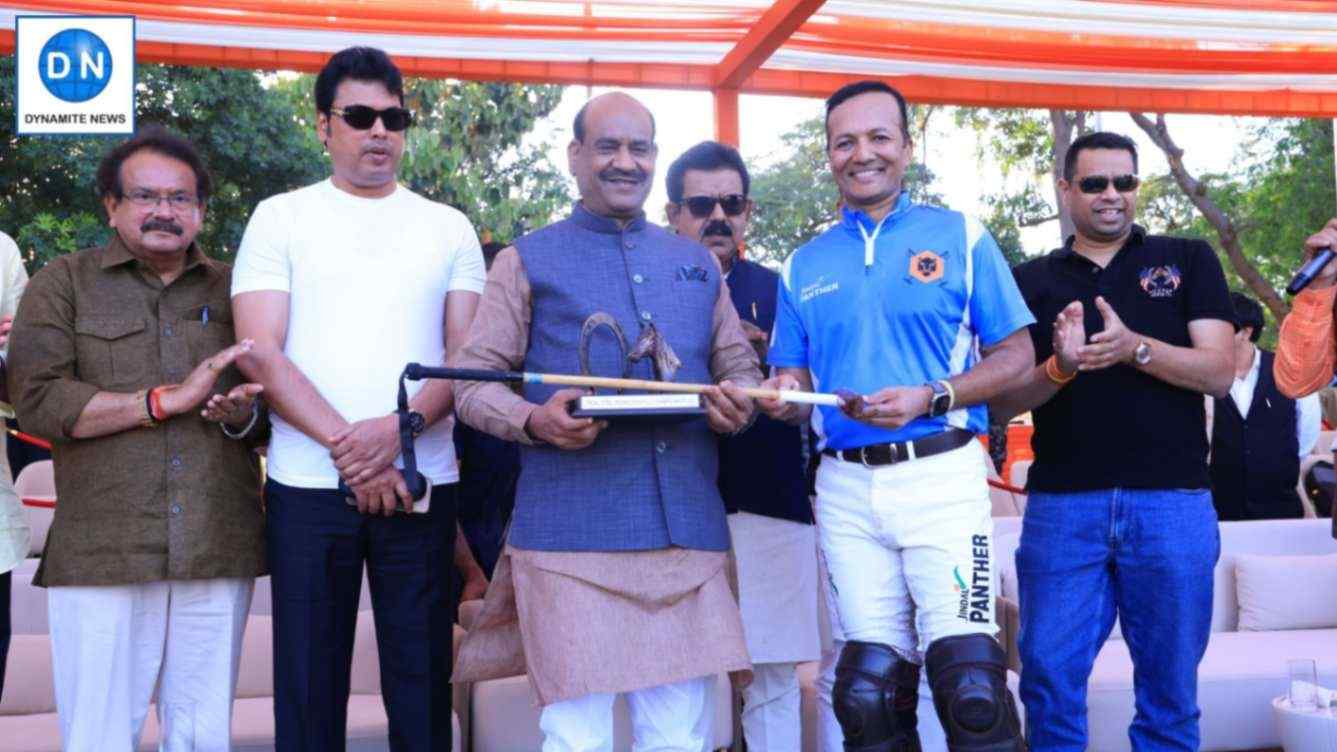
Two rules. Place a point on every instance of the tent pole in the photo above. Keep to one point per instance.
(726, 116)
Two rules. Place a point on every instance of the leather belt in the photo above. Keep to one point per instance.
(900, 451)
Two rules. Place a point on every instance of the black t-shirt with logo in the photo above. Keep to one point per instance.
(1119, 427)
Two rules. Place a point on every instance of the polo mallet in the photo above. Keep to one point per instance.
(416, 481)
(417, 371)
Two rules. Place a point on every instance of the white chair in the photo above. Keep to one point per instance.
(1021, 469)
(1323, 446)
(36, 489)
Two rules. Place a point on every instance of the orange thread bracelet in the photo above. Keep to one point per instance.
(1055, 374)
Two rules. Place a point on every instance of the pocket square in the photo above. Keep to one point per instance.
(692, 273)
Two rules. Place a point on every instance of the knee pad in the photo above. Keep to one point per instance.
(968, 674)
(874, 698)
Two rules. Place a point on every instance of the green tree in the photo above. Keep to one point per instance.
(246, 133)
(257, 134)
(1259, 214)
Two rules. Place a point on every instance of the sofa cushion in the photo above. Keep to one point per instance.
(255, 674)
(27, 606)
(1239, 675)
(1286, 592)
(31, 687)
(1298, 537)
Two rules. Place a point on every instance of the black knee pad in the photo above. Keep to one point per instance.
(968, 674)
(874, 697)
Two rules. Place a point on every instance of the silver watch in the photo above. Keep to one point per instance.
(1142, 355)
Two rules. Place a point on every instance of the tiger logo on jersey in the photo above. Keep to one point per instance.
(927, 266)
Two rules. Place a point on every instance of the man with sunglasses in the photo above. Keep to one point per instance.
(908, 311)
(1132, 330)
(763, 474)
(341, 284)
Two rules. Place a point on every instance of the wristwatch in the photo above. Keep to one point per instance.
(417, 423)
(1142, 355)
(942, 399)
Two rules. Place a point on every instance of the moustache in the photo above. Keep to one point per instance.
(614, 174)
(717, 227)
(160, 225)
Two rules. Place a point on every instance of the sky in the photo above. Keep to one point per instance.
(684, 118)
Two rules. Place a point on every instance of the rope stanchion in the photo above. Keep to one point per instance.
(1007, 487)
(30, 439)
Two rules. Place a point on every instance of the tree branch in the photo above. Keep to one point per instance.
(1063, 127)
(1213, 213)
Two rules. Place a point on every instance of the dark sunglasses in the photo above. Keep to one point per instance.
(362, 117)
(703, 206)
(1098, 183)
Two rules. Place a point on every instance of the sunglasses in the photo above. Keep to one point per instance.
(362, 117)
(1098, 183)
(701, 207)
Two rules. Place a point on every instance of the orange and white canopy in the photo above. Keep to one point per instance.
(1262, 57)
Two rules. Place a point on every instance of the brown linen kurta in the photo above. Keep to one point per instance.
(583, 622)
(180, 501)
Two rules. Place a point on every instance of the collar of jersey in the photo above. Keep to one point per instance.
(852, 219)
(861, 225)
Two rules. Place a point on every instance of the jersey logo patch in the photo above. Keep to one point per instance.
(1160, 281)
(820, 287)
(927, 266)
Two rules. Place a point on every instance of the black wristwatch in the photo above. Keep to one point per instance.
(417, 423)
(942, 399)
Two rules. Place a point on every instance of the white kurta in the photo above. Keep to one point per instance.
(777, 587)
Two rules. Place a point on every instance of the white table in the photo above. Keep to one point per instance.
(1309, 731)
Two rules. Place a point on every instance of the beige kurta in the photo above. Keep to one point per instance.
(581, 622)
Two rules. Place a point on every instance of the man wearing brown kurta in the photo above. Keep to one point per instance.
(614, 577)
(157, 535)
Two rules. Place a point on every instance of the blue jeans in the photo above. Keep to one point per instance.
(1146, 555)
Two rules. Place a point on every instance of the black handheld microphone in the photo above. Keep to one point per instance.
(1310, 270)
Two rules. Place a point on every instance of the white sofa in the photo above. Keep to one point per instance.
(28, 721)
(1241, 671)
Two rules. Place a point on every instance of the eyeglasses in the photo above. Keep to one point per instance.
(703, 206)
(1098, 183)
(362, 117)
(178, 202)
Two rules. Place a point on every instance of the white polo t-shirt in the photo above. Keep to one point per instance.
(367, 280)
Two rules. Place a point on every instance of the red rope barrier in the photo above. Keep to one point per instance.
(1007, 487)
(40, 503)
(30, 439)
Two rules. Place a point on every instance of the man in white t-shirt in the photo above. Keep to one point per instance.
(341, 284)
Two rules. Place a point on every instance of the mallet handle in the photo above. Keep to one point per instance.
(415, 371)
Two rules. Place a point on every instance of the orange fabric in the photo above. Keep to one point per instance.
(658, 45)
(1307, 345)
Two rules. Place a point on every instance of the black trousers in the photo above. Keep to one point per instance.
(318, 546)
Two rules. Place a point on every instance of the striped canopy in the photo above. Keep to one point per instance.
(1260, 57)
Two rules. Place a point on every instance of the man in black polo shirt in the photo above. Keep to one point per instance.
(1132, 330)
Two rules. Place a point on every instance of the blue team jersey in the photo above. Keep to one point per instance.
(864, 307)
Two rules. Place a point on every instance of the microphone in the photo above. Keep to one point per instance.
(1310, 270)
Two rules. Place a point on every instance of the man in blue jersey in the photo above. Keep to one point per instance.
(912, 312)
